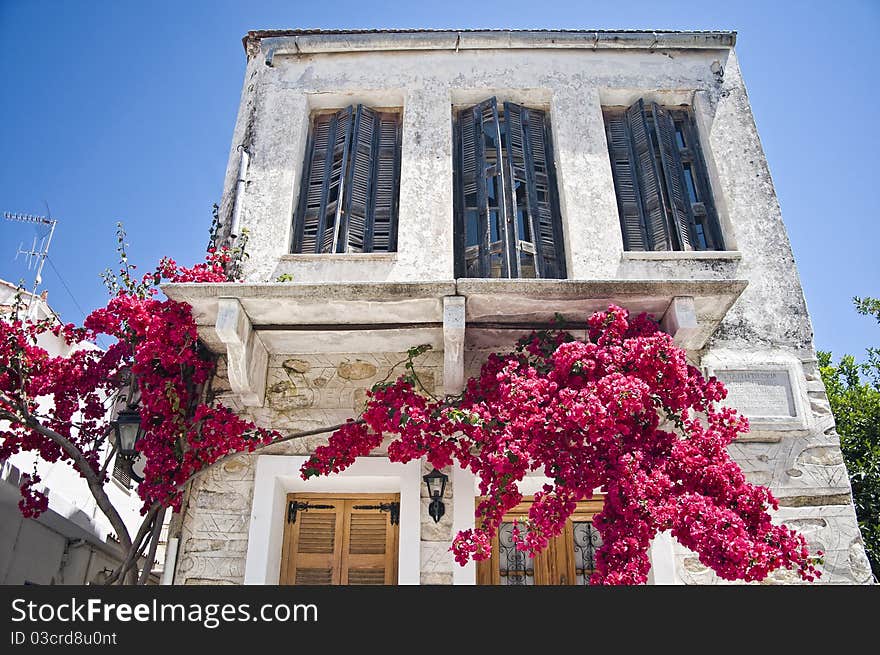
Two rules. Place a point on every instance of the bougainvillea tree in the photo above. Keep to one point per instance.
(621, 411)
(57, 406)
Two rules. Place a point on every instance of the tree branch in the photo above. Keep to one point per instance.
(289, 437)
(131, 554)
(154, 542)
(82, 466)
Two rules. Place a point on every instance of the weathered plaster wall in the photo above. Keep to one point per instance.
(802, 465)
(273, 122)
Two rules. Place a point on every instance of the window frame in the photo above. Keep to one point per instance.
(705, 232)
(508, 246)
(343, 200)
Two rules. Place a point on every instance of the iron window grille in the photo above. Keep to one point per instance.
(660, 179)
(507, 219)
(349, 191)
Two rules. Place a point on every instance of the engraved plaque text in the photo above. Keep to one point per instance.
(759, 394)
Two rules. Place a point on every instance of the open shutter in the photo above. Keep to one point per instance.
(359, 185)
(370, 553)
(673, 172)
(484, 227)
(626, 183)
(381, 233)
(313, 544)
(651, 192)
(530, 176)
(316, 227)
(372, 185)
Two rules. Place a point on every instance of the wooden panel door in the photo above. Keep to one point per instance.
(340, 539)
(569, 558)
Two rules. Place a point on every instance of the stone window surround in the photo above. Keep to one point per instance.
(278, 475)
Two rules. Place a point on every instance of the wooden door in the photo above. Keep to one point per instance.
(569, 558)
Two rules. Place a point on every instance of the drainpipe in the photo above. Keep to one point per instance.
(239, 193)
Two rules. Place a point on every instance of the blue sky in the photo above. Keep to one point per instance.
(123, 111)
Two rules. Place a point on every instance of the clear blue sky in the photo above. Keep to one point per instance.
(123, 111)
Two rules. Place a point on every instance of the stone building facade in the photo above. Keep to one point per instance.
(629, 169)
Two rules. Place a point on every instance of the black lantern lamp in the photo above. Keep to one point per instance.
(128, 430)
(436, 483)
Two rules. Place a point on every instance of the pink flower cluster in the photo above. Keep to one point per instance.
(622, 412)
(157, 342)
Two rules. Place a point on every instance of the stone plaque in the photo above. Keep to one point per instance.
(759, 394)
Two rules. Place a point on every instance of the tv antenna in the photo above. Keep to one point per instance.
(39, 250)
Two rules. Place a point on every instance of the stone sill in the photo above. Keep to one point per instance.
(682, 255)
(374, 257)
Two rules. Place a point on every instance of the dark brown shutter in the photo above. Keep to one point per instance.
(477, 166)
(381, 235)
(370, 216)
(653, 208)
(530, 164)
(322, 187)
(673, 172)
(359, 183)
(626, 184)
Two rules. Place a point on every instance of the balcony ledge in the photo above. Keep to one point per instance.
(249, 322)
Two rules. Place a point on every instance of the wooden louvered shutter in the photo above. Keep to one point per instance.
(530, 166)
(673, 173)
(370, 552)
(318, 217)
(370, 216)
(626, 182)
(382, 232)
(479, 144)
(340, 539)
(648, 175)
(313, 545)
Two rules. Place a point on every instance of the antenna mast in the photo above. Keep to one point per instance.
(35, 257)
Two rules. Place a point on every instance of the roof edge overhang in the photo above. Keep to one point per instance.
(270, 43)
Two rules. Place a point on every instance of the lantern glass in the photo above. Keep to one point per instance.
(127, 427)
(436, 483)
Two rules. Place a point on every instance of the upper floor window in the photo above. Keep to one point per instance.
(660, 178)
(350, 183)
(507, 221)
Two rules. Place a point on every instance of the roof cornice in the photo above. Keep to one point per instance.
(269, 43)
